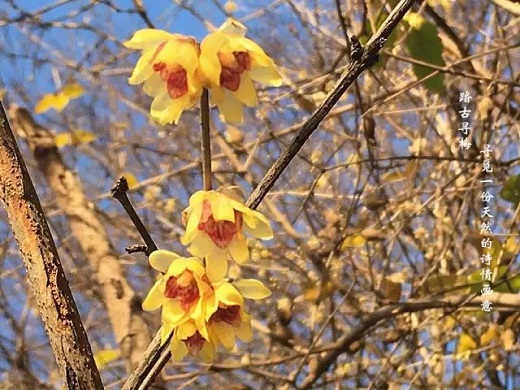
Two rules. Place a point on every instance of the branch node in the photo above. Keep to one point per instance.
(136, 249)
(357, 49)
(120, 188)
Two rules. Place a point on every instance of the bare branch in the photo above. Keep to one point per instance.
(45, 273)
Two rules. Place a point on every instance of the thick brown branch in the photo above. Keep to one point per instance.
(118, 295)
(46, 277)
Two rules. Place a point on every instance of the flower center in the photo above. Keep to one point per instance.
(184, 288)
(194, 343)
(220, 232)
(175, 77)
(233, 65)
(230, 315)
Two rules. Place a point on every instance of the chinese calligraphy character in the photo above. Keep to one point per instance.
(464, 143)
(464, 113)
(486, 273)
(486, 166)
(486, 212)
(486, 243)
(485, 228)
(465, 97)
(486, 150)
(486, 259)
(465, 128)
(486, 305)
(486, 289)
(486, 196)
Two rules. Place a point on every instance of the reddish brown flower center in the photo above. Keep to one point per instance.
(230, 315)
(194, 343)
(220, 232)
(232, 67)
(175, 77)
(184, 287)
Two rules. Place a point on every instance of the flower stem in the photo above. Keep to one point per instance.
(205, 145)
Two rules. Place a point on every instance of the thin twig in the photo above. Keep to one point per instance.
(119, 192)
(205, 145)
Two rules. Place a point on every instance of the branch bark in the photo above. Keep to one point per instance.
(46, 278)
(120, 299)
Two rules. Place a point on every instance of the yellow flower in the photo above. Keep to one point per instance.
(168, 68)
(219, 311)
(188, 339)
(230, 62)
(227, 318)
(180, 291)
(215, 225)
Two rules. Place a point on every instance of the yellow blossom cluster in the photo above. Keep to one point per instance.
(199, 304)
(174, 69)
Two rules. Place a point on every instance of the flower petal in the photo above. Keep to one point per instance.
(211, 306)
(257, 225)
(216, 268)
(147, 37)
(155, 298)
(154, 86)
(143, 69)
(229, 295)
(161, 259)
(246, 91)
(221, 208)
(166, 330)
(268, 75)
(233, 27)
(208, 61)
(191, 263)
(238, 250)
(252, 288)
(178, 348)
(225, 334)
(173, 312)
(207, 353)
(244, 332)
(167, 110)
(231, 108)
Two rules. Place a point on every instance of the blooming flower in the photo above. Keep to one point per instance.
(168, 68)
(188, 339)
(215, 225)
(230, 62)
(227, 318)
(199, 311)
(181, 290)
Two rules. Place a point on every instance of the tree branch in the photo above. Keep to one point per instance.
(507, 301)
(119, 192)
(46, 277)
(360, 61)
(119, 297)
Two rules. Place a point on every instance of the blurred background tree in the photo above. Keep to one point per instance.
(378, 223)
